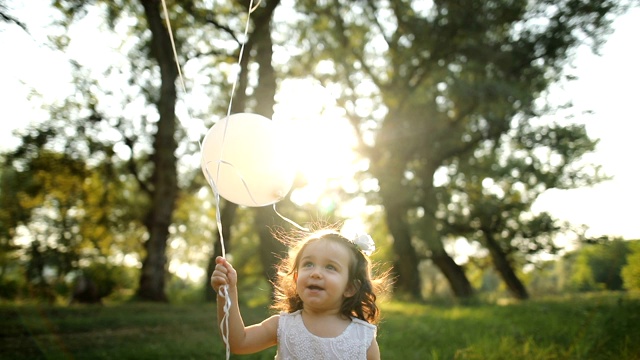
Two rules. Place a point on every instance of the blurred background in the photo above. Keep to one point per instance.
(487, 147)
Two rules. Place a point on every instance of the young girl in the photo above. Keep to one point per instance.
(325, 293)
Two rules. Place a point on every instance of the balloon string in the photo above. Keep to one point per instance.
(240, 55)
(226, 123)
(235, 81)
(238, 173)
(289, 220)
(252, 9)
(184, 90)
(244, 183)
(175, 52)
(223, 291)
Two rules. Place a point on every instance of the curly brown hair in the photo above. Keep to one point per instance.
(361, 305)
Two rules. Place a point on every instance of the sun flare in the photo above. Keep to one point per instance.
(323, 140)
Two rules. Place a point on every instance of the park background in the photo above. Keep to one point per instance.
(78, 176)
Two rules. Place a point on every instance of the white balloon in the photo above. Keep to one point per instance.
(248, 160)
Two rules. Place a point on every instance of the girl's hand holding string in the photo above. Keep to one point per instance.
(224, 274)
(242, 340)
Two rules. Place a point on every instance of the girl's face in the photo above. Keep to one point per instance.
(323, 275)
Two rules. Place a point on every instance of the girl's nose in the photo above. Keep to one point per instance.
(315, 273)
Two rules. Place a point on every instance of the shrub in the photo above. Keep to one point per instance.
(631, 271)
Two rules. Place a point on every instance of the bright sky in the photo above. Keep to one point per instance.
(608, 86)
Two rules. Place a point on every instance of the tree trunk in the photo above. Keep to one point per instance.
(395, 201)
(389, 173)
(454, 273)
(260, 39)
(227, 216)
(405, 262)
(502, 265)
(270, 248)
(227, 208)
(164, 179)
(458, 281)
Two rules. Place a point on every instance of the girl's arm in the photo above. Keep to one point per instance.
(242, 340)
(373, 353)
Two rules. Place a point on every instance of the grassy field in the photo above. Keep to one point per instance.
(596, 326)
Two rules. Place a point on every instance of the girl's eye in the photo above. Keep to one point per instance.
(331, 267)
(307, 264)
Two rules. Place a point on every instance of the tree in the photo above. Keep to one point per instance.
(45, 192)
(11, 215)
(87, 116)
(496, 186)
(631, 271)
(162, 187)
(598, 266)
(449, 76)
(152, 138)
(259, 48)
(73, 213)
(153, 159)
(440, 82)
(5, 16)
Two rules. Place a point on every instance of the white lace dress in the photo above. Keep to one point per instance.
(295, 342)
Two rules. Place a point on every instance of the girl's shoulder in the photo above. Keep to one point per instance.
(359, 322)
(287, 314)
(286, 318)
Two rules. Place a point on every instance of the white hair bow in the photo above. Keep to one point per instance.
(364, 243)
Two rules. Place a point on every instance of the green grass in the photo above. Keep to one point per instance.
(597, 326)
(602, 326)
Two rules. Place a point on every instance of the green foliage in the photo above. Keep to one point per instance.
(254, 288)
(549, 277)
(451, 81)
(130, 118)
(592, 267)
(11, 286)
(598, 266)
(110, 278)
(631, 271)
(180, 292)
(459, 84)
(76, 217)
(595, 326)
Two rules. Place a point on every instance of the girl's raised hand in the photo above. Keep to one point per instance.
(224, 274)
